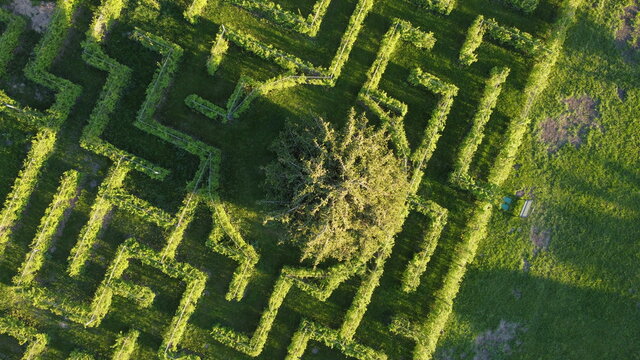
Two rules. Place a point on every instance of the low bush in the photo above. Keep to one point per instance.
(49, 226)
(471, 142)
(9, 39)
(418, 263)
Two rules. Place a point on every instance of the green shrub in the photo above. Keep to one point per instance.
(472, 42)
(16, 201)
(10, 36)
(471, 142)
(306, 25)
(418, 263)
(49, 225)
(442, 6)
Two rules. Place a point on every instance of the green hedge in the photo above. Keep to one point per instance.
(471, 142)
(233, 246)
(218, 50)
(438, 117)
(306, 25)
(376, 100)
(253, 345)
(442, 6)
(136, 206)
(183, 219)
(16, 201)
(36, 343)
(194, 10)
(418, 263)
(45, 53)
(527, 6)
(10, 37)
(472, 42)
(141, 295)
(349, 38)
(101, 207)
(311, 330)
(108, 12)
(504, 35)
(125, 345)
(49, 226)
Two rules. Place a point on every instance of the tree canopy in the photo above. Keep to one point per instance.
(342, 194)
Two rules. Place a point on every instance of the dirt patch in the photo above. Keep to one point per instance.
(540, 239)
(622, 94)
(40, 14)
(628, 35)
(572, 125)
(497, 343)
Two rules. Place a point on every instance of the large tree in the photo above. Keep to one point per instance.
(342, 194)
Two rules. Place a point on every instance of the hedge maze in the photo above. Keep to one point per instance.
(273, 300)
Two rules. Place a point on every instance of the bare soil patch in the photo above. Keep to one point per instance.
(40, 14)
(572, 125)
(499, 342)
(540, 239)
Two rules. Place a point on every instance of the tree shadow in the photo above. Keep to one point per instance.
(561, 321)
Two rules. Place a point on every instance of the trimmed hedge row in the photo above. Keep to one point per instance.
(125, 345)
(113, 90)
(16, 201)
(377, 100)
(171, 54)
(274, 12)
(331, 338)
(218, 50)
(270, 53)
(253, 346)
(472, 42)
(418, 263)
(527, 6)
(194, 10)
(141, 295)
(506, 36)
(370, 282)
(205, 107)
(45, 53)
(514, 37)
(441, 309)
(108, 12)
(36, 343)
(136, 206)
(471, 142)
(183, 219)
(436, 123)
(78, 355)
(442, 6)
(49, 226)
(99, 210)
(348, 39)
(9, 38)
(236, 249)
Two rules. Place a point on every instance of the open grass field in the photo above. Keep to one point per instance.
(133, 136)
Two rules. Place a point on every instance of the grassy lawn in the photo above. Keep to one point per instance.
(579, 297)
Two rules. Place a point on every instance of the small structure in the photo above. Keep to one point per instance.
(506, 203)
(526, 209)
